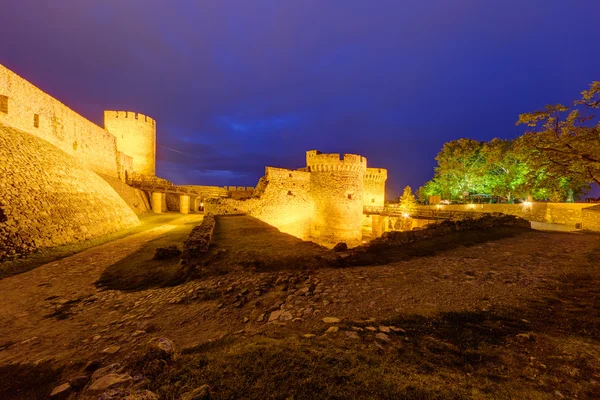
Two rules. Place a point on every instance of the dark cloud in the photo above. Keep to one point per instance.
(236, 85)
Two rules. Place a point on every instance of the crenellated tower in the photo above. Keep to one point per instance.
(337, 186)
(375, 187)
(136, 137)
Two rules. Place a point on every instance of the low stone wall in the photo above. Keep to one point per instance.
(553, 213)
(591, 218)
(485, 221)
(199, 240)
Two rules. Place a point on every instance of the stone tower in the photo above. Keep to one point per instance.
(337, 187)
(375, 187)
(136, 137)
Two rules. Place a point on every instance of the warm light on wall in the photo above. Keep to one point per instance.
(406, 215)
(526, 204)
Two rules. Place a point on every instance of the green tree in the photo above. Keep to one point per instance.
(566, 141)
(408, 203)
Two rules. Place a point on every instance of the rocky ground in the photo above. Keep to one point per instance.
(529, 298)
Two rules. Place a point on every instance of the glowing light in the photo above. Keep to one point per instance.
(471, 205)
(406, 215)
(438, 206)
(526, 204)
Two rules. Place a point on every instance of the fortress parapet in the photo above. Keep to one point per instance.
(136, 137)
(317, 162)
(376, 175)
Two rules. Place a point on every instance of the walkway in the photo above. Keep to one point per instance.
(29, 299)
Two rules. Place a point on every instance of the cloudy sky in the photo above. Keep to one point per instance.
(239, 84)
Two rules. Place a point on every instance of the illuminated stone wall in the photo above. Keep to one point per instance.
(555, 213)
(591, 218)
(136, 137)
(322, 202)
(283, 200)
(31, 110)
(50, 198)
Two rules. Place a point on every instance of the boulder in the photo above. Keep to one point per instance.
(61, 392)
(165, 253)
(110, 381)
(162, 347)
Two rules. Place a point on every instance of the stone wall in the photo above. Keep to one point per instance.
(31, 110)
(591, 218)
(285, 202)
(136, 199)
(557, 213)
(49, 198)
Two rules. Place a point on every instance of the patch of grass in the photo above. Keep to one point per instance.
(244, 242)
(28, 381)
(424, 248)
(48, 255)
(139, 270)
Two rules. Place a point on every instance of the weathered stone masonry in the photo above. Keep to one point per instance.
(322, 202)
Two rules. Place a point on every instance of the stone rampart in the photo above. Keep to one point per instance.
(591, 218)
(50, 198)
(28, 108)
(285, 202)
(556, 213)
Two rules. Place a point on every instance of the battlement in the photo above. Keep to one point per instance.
(317, 161)
(376, 174)
(110, 115)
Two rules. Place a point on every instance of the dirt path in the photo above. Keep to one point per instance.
(33, 301)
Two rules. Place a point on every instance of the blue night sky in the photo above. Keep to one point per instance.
(239, 84)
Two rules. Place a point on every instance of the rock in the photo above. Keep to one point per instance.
(308, 335)
(110, 381)
(525, 337)
(200, 393)
(332, 320)
(332, 329)
(341, 246)
(165, 253)
(260, 318)
(371, 328)
(111, 349)
(61, 392)
(162, 347)
(384, 329)
(351, 334)
(275, 315)
(79, 382)
(109, 369)
(397, 330)
(92, 365)
(382, 336)
(286, 316)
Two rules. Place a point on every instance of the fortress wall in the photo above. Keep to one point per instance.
(591, 218)
(136, 199)
(26, 107)
(285, 202)
(557, 213)
(136, 136)
(49, 198)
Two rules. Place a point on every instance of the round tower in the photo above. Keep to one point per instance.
(375, 187)
(136, 137)
(337, 186)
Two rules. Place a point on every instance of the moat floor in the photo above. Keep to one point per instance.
(517, 317)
